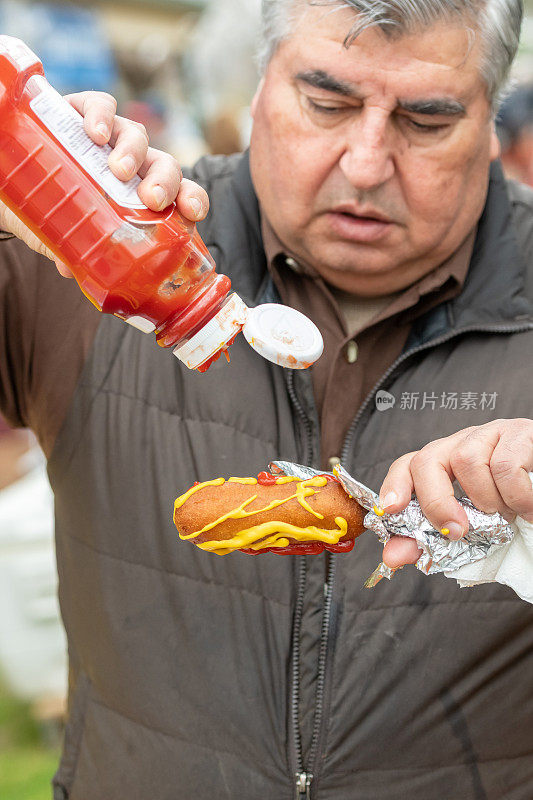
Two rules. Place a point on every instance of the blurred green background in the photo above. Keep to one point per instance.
(29, 752)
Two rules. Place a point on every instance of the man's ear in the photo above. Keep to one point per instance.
(495, 146)
(253, 105)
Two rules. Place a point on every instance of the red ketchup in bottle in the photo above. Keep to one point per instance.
(150, 269)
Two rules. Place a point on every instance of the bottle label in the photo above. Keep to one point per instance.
(67, 126)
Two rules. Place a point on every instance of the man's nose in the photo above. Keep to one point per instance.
(368, 159)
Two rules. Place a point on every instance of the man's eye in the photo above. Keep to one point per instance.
(424, 128)
(323, 109)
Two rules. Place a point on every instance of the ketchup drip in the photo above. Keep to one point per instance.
(205, 366)
(266, 479)
(304, 548)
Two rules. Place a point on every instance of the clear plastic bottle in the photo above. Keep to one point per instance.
(149, 268)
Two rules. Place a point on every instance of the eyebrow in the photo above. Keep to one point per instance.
(434, 106)
(442, 106)
(321, 80)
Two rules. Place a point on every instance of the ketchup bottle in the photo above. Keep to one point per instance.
(149, 268)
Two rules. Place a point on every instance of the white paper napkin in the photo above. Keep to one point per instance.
(511, 564)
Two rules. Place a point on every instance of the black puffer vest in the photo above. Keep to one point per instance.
(195, 676)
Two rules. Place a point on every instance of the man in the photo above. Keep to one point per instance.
(515, 131)
(372, 200)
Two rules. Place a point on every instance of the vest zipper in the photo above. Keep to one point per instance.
(348, 442)
(303, 417)
(303, 776)
(303, 785)
(322, 662)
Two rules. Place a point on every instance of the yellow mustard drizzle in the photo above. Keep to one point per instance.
(276, 532)
(181, 500)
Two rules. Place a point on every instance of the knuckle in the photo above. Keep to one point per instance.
(401, 462)
(502, 468)
(107, 98)
(141, 128)
(464, 459)
(475, 434)
(423, 458)
(174, 167)
(418, 461)
(167, 163)
(521, 430)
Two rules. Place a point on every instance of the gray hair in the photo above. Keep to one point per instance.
(498, 22)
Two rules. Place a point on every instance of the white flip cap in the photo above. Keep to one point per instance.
(283, 335)
(226, 323)
(278, 333)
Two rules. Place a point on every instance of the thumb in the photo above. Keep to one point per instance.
(10, 223)
(61, 267)
(400, 551)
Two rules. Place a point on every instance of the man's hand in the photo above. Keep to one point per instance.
(161, 184)
(491, 462)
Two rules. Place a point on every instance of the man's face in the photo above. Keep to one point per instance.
(371, 163)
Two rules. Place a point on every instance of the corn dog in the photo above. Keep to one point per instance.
(269, 514)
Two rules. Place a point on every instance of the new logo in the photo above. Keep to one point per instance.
(384, 400)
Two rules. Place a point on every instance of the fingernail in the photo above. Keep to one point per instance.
(452, 530)
(127, 165)
(103, 130)
(160, 196)
(195, 206)
(389, 500)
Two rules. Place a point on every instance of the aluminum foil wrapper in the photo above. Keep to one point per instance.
(486, 533)
(294, 470)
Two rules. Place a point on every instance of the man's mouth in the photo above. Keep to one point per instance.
(359, 225)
